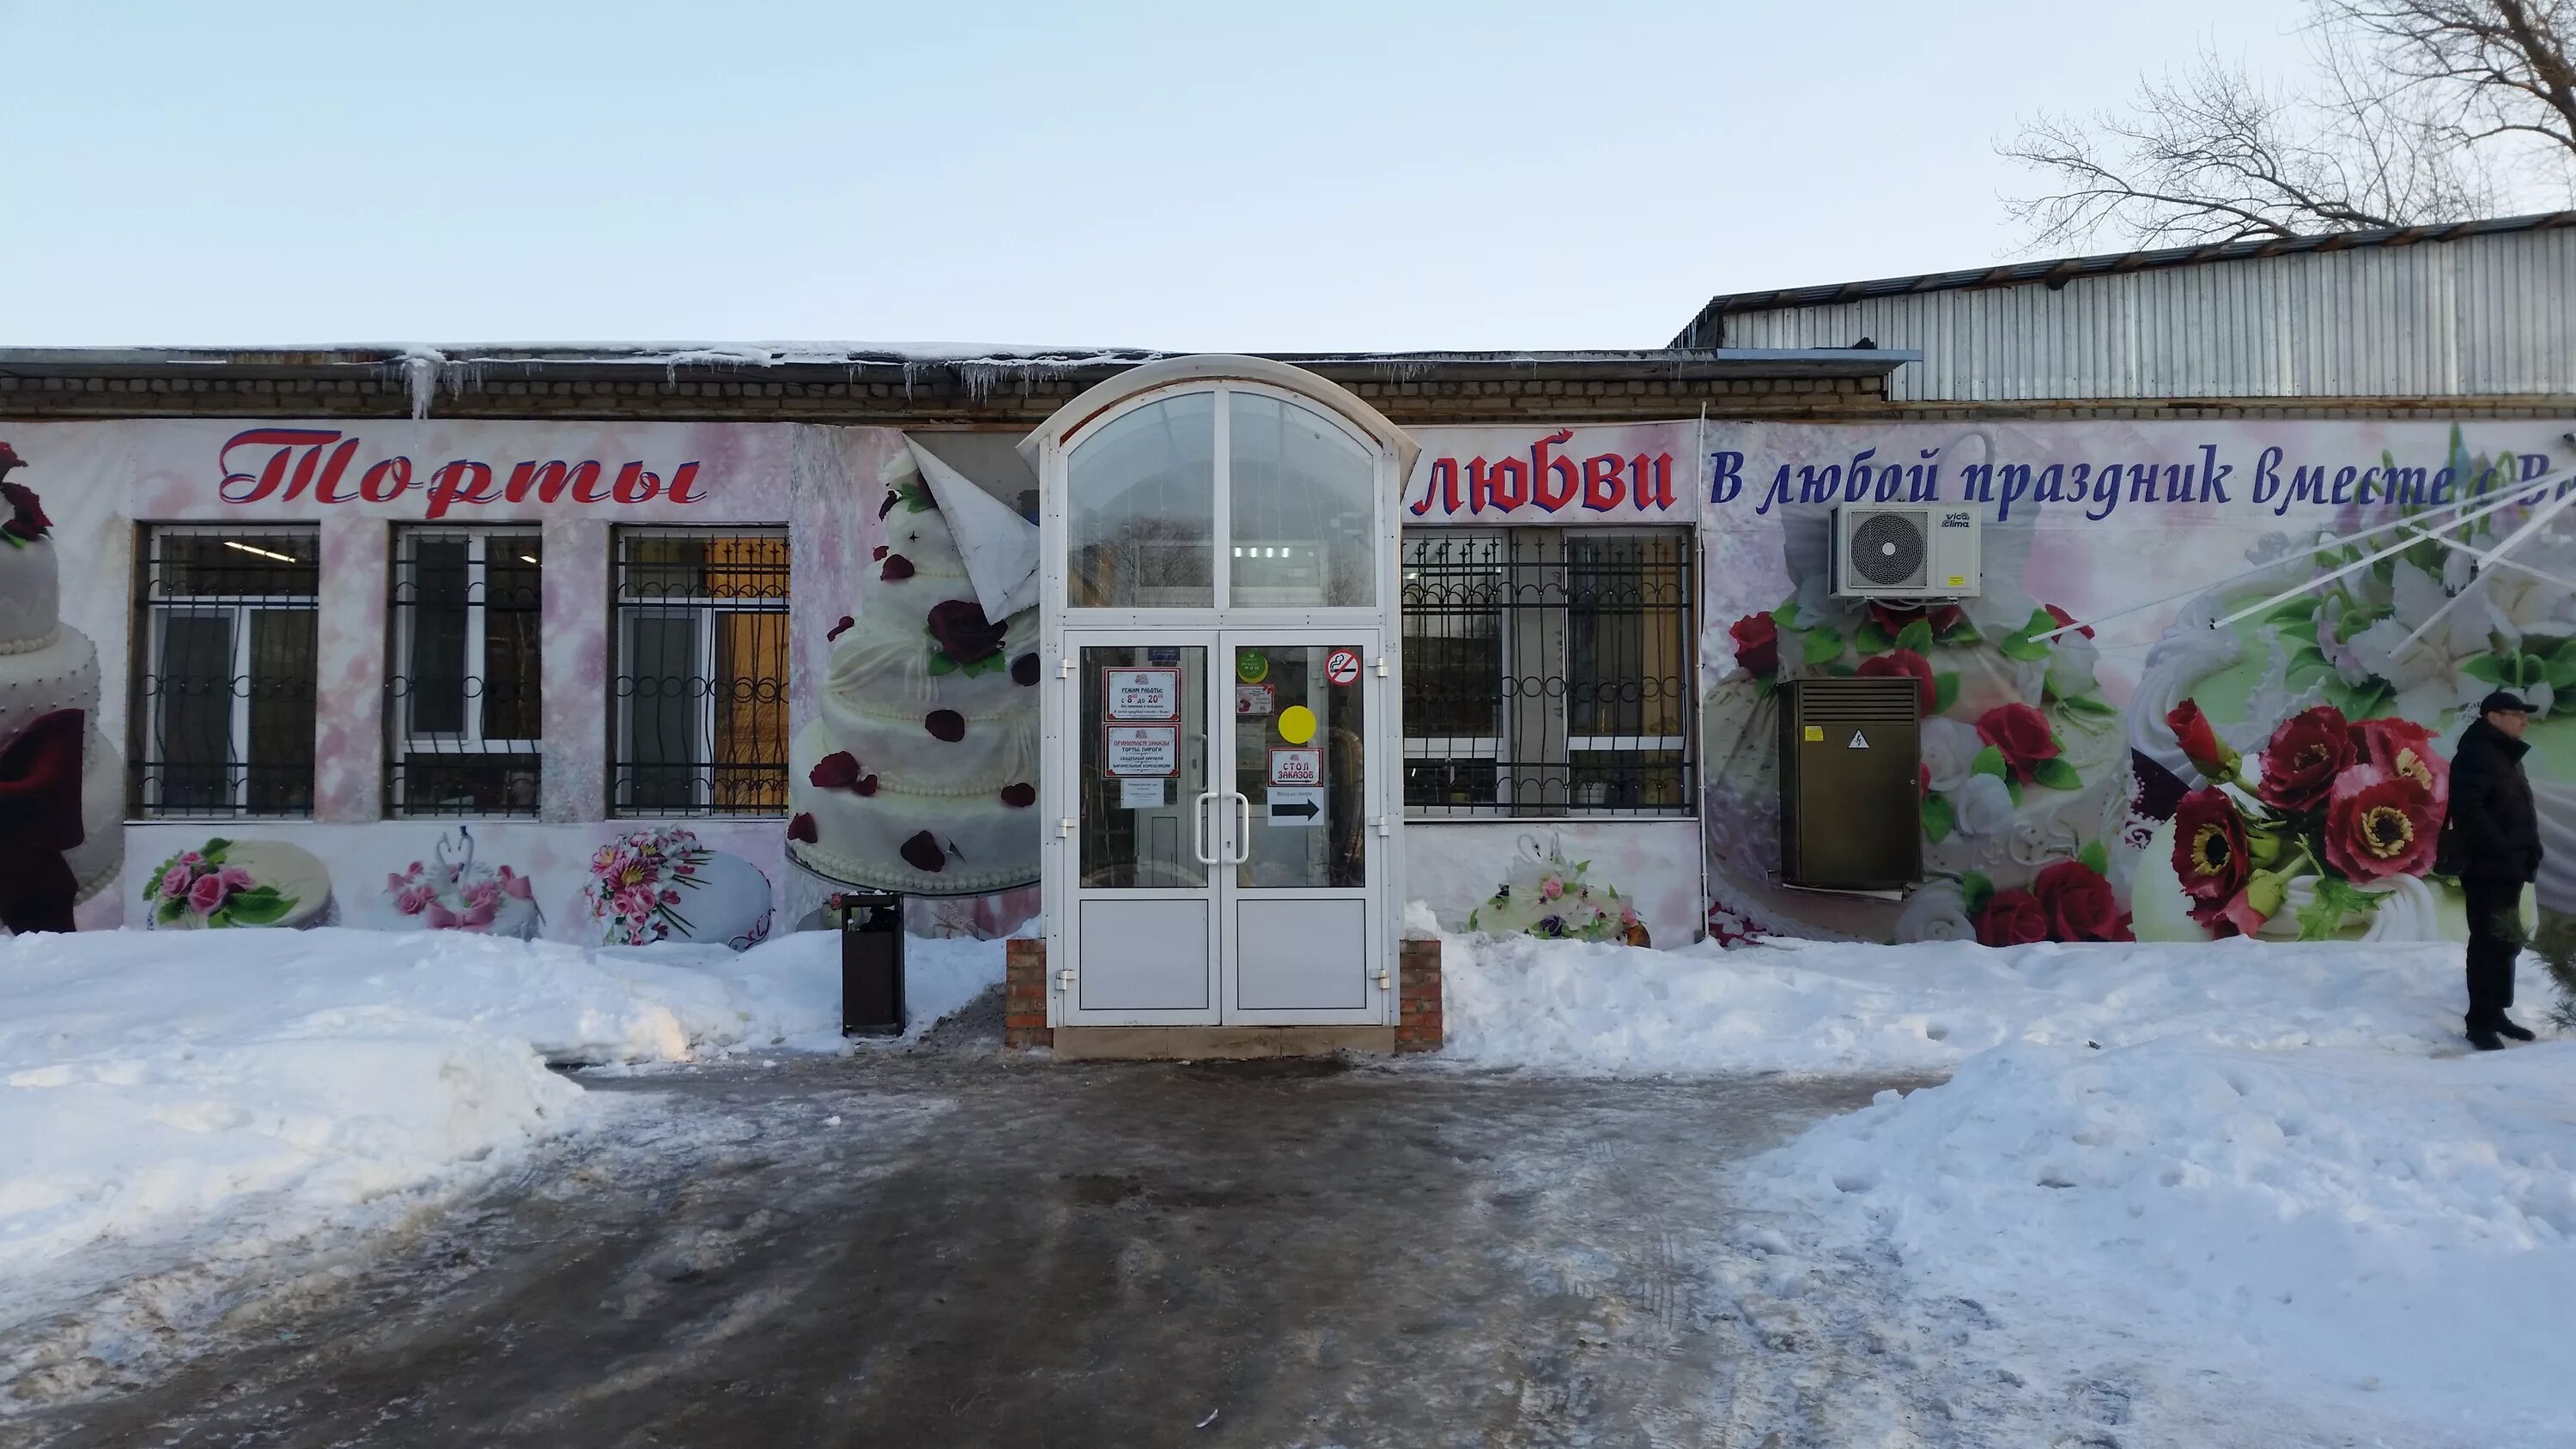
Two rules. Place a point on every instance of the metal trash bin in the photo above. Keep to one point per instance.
(871, 962)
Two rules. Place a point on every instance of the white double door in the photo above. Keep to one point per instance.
(1223, 853)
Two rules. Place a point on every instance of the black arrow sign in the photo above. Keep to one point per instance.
(1306, 808)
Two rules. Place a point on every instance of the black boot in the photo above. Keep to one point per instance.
(2512, 1028)
(2484, 1038)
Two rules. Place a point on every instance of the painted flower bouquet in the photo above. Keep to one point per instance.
(1555, 899)
(202, 884)
(2335, 814)
(636, 883)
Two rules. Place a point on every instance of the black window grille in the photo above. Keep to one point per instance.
(1548, 672)
(698, 693)
(223, 697)
(464, 702)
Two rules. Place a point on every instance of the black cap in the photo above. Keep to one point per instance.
(2503, 701)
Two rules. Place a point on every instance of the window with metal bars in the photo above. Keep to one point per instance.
(698, 692)
(1547, 672)
(464, 705)
(223, 697)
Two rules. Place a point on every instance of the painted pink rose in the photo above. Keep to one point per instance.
(207, 894)
(234, 878)
(174, 882)
(415, 899)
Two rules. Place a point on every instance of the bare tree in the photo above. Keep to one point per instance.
(2417, 111)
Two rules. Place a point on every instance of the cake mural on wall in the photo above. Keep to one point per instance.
(2021, 794)
(919, 773)
(2284, 776)
(453, 892)
(239, 883)
(62, 785)
(664, 884)
(2291, 770)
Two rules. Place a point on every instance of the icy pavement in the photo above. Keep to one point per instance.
(944, 1246)
(182, 1110)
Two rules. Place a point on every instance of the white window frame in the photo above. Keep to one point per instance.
(702, 719)
(408, 741)
(1499, 748)
(158, 606)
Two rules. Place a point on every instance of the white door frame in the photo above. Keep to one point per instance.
(1066, 632)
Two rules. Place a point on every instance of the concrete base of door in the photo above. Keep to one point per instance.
(1216, 1043)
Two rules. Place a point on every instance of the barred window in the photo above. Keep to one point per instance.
(223, 702)
(699, 687)
(1547, 672)
(464, 704)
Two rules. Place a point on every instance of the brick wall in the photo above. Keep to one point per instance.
(926, 395)
(1024, 995)
(1418, 1027)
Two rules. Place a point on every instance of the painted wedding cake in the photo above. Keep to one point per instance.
(225, 884)
(48, 672)
(920, 772)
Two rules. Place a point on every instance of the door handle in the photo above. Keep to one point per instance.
(1199, 830)
(1243, 828)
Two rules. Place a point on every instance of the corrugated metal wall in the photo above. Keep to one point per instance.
(2482, 316)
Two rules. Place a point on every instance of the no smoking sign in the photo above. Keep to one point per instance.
(1342, 666)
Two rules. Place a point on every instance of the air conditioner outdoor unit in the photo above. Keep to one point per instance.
(1897, 551)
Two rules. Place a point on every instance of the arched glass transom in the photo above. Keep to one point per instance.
(1298, 529)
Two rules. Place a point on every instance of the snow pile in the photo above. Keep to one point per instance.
(1811, 1006)
(2394, 1235)
(2256, 1171)
(266, 1082)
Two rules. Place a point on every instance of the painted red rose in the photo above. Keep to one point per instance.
(2303, 757)
(2079, 904)
(945, 724)
(897, 569)
(880, 553)
(1923, 782)
(2379, 825)
(9, 459)
(839, 629)
(1903, 662)
(1757, 644)
(27, 516)
(839, 770)
(1892, 618)
(802, 828)
(2404, 750)
(2012, 918)
(2064, 618)
(1024, 670)
(2020, 733)
(960, 628)
(2199, 742)
(923, 854)
(2209, 856)
(1020, 796)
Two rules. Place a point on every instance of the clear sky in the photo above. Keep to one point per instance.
(1292, 177)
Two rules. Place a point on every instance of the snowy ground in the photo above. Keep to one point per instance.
(2268, 1175)
(182, 1108)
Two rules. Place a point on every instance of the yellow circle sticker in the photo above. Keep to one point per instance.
(1296, 724)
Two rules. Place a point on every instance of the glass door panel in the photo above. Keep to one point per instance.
(1300, 763)
(1144, 751)
(1148, 833)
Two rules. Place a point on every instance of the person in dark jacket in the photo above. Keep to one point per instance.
(2492, 838)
